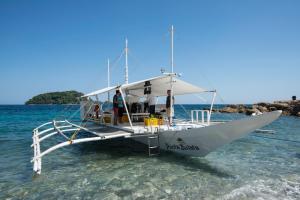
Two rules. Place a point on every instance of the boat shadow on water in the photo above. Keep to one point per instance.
(119, 148)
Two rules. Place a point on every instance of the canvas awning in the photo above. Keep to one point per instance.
(104, 90)
(159, 87)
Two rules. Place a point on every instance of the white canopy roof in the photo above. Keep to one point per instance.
(159, 87)
(100, 91)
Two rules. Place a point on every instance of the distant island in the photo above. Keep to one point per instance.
(66, 97)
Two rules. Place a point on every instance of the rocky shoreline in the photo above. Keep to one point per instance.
(289, 108)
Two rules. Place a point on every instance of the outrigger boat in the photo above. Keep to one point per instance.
(196, 136)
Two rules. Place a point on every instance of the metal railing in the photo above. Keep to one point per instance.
(204, 117)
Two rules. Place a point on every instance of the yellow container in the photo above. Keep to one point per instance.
(107, 119)
(151, 121)
(125, 118)
(160, 121)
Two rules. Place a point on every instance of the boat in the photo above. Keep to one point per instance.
(197, 136)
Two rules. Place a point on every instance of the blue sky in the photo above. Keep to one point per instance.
(248, 50)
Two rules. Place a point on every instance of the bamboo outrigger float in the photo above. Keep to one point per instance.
(196, 136)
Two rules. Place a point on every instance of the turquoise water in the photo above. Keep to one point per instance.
(255, 167)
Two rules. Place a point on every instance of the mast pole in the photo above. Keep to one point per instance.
(172, 71)
(172, 47)
(108, 79)
(126, 61)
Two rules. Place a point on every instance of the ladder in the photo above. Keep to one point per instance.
(153, 145)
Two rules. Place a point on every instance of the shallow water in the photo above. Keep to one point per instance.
(255, 167)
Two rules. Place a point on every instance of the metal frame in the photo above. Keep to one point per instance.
(50, 129)
(211, 105)
(203, 121)
(67, 127)
(125, 105)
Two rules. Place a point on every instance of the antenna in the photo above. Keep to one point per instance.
(126, 61)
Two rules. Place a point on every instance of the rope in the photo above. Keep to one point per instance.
(67, 108)
(75, 113)
(218, 93)
(77, 131)
(186, 112)
(116, 60)
(78, 110)
(63, 111)
(136, 60)
(201, 98)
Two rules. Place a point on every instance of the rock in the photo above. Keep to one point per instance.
(241, 110)
(262, 109)
(287, 107)
(263, 104)
(233, 106)
(280, 106)
(272, 108)
(250, 111)
(290, 102)
(295, 110)
(229, 110)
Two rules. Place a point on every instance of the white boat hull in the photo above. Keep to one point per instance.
(201, 141)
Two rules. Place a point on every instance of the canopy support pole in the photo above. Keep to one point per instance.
(125, 105)
(211, 106)
(97, 98)
(99, 106)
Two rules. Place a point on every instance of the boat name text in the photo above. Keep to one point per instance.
(183, 147)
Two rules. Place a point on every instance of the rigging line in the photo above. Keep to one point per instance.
(66, 108)
(205, 77)
(112, 66)
(116, 60)
(61, 113)
(217, 93)
(78, 110)
(280, 139)
(75, 113)
(186, 112)
(83, 107)
(201, 98)
(212, 85)
(81, 124)
(222, 100)
(205, 101)
(136, 60)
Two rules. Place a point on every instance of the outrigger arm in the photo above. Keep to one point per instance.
(61, 128)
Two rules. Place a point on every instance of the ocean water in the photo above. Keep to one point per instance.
(259, 166)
